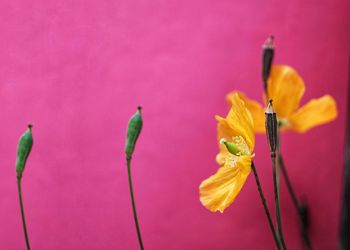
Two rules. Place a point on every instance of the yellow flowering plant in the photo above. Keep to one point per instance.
(283, 87)
(286, 88)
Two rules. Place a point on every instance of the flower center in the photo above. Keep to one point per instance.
(237, 146)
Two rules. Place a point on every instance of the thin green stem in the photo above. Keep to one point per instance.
(263, 200)
(128, 160)
(277, 200)
(300, 210)
(288, 183)
(304, 233)
(22, 212)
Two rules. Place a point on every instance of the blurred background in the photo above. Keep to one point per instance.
(77, 71)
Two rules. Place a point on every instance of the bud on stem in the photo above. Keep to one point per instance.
(24, 147)
(134, 130)
(268, 53)
(271, 127)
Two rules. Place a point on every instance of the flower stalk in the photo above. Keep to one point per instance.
(268, 54)
(267, 212)
(24, 147)
(271, 132)
(133, 132)
(301, 209)
(22, 213)
(133, 204)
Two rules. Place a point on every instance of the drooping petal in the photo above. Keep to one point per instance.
(285, 88)
(315, 112)
(220, 190)
(240, 121)
(255, 109)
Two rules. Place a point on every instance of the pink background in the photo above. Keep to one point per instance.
(78, 69)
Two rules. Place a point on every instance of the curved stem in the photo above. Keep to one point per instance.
(22, 212)
(277, 200)
(288, 183)
(265, 206)
(128, 160)
(296, 204)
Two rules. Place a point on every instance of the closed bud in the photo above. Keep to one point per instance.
(134, 130)
(271, 127)
(268, 53)
(24, 147)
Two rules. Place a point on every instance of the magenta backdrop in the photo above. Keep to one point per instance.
(78, 69)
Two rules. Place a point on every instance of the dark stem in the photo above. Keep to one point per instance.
(265, 89)
(296, 204)
(22, 212)
(128, 160)
(263, 200)
(277, 201)
(289, 184)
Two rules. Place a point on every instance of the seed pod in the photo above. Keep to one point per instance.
(134, 130)
(231, 147)
(271, 127)
(268, 53)
(24, 147)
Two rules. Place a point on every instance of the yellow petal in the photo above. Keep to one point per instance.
(285, 88)
(255, 109)
(224, 131)
(220, 157)
(315, 112)
(220, 190)
(240, 121)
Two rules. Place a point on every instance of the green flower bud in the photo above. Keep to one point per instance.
(24, 147)
(134, 130)
(232, 147)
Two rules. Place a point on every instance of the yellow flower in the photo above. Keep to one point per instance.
(237, 131)
(286, 88)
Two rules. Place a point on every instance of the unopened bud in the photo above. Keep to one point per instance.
(24, 147)
(271, 127)
(268, 53)
(134, 130)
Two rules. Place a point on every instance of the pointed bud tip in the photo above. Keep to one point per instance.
(269, 109)
(30, 126)
(269, 42)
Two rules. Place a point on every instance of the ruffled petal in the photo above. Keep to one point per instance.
(220, 190)
(315, 112)
(285, 88)
(240, 121)
(255, 109)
